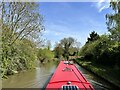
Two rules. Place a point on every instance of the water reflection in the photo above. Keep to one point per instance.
(38, 77)
(31, 79)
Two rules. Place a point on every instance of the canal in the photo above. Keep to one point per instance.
(38, 77)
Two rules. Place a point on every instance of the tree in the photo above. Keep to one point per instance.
(67, 47)
(77, 45)
(45, 55)
(22, 19)
(93, 36)
(58, 50)
(66, 43)
(105, 49)
(48, 44)
(113, 24)
(113, 20)
(21, 27)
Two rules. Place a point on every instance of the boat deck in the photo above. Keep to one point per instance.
(68, 77)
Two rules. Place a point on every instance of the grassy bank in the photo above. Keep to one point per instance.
(110, 75)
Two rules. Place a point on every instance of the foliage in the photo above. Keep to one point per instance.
(22, 19)
(21, 25)
(113, 21)
(77, 47)
(45, 55)
(58, 51)
(67, 47)
(93, 36)
(66, 44)
(48, 44)
(105, 49)
(102, 51)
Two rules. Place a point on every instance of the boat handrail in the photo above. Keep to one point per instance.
(70, 81)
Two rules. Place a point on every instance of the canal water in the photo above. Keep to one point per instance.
(38, 77)
(96, 82)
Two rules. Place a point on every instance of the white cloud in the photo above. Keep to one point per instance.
(102, 5)
(60, 30)
(102, 8)
(56, 32)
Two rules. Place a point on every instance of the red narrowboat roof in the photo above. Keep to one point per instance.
(68, 76)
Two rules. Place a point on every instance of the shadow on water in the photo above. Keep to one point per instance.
(97, 82)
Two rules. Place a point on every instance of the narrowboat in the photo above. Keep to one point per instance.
(68, 77)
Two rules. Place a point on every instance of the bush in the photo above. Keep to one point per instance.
(45, 55)
(102, 51)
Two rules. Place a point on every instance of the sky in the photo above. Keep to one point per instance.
(73, 19)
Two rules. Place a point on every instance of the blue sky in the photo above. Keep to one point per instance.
(77, 20)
